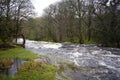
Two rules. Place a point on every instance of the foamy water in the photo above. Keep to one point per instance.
(91, 61)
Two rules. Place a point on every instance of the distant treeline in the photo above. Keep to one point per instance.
(81, 21)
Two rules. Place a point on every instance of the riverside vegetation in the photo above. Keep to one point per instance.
(30, 70)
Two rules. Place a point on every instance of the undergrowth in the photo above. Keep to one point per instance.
(34, 71)
(30, 70)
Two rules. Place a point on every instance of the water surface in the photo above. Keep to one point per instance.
(78, 62)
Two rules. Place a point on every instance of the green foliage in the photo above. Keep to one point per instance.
(18, 53)
(34, 71)
(76, 40)
(3, 77)
(6, 56)
(11, 17)
(30, 70)
(89, 42)
(5, 63)
(74, 21)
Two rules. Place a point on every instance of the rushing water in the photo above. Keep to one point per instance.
(79, 62)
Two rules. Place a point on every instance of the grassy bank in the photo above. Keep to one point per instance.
(19, 52)
(33, 71)
(30, 70)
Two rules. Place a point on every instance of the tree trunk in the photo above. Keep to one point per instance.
(24, 40)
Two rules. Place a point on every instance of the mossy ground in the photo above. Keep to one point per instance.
(33, 71)
(36, 71)
(30, 70)
(19, 52)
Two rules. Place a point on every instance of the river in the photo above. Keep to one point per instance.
(78, 61)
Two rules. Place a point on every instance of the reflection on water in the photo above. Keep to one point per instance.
(79, 62)
(13, 69)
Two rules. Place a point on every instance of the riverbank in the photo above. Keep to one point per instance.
(28, 69)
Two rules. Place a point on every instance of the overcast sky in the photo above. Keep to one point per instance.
(40, 5)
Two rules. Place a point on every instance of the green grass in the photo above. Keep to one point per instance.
(30, 70)
(34, 71)
(47, 39)
(19, 52)
(89, 42)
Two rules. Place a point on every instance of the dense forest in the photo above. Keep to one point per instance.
(12, 14)
(78, 21)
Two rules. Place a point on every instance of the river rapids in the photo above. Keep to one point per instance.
(78, 61)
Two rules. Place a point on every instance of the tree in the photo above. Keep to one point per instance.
(88, 15)
(107, 26)
(13, 12)
(23, 9)
(5, 20)
(80, 21)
